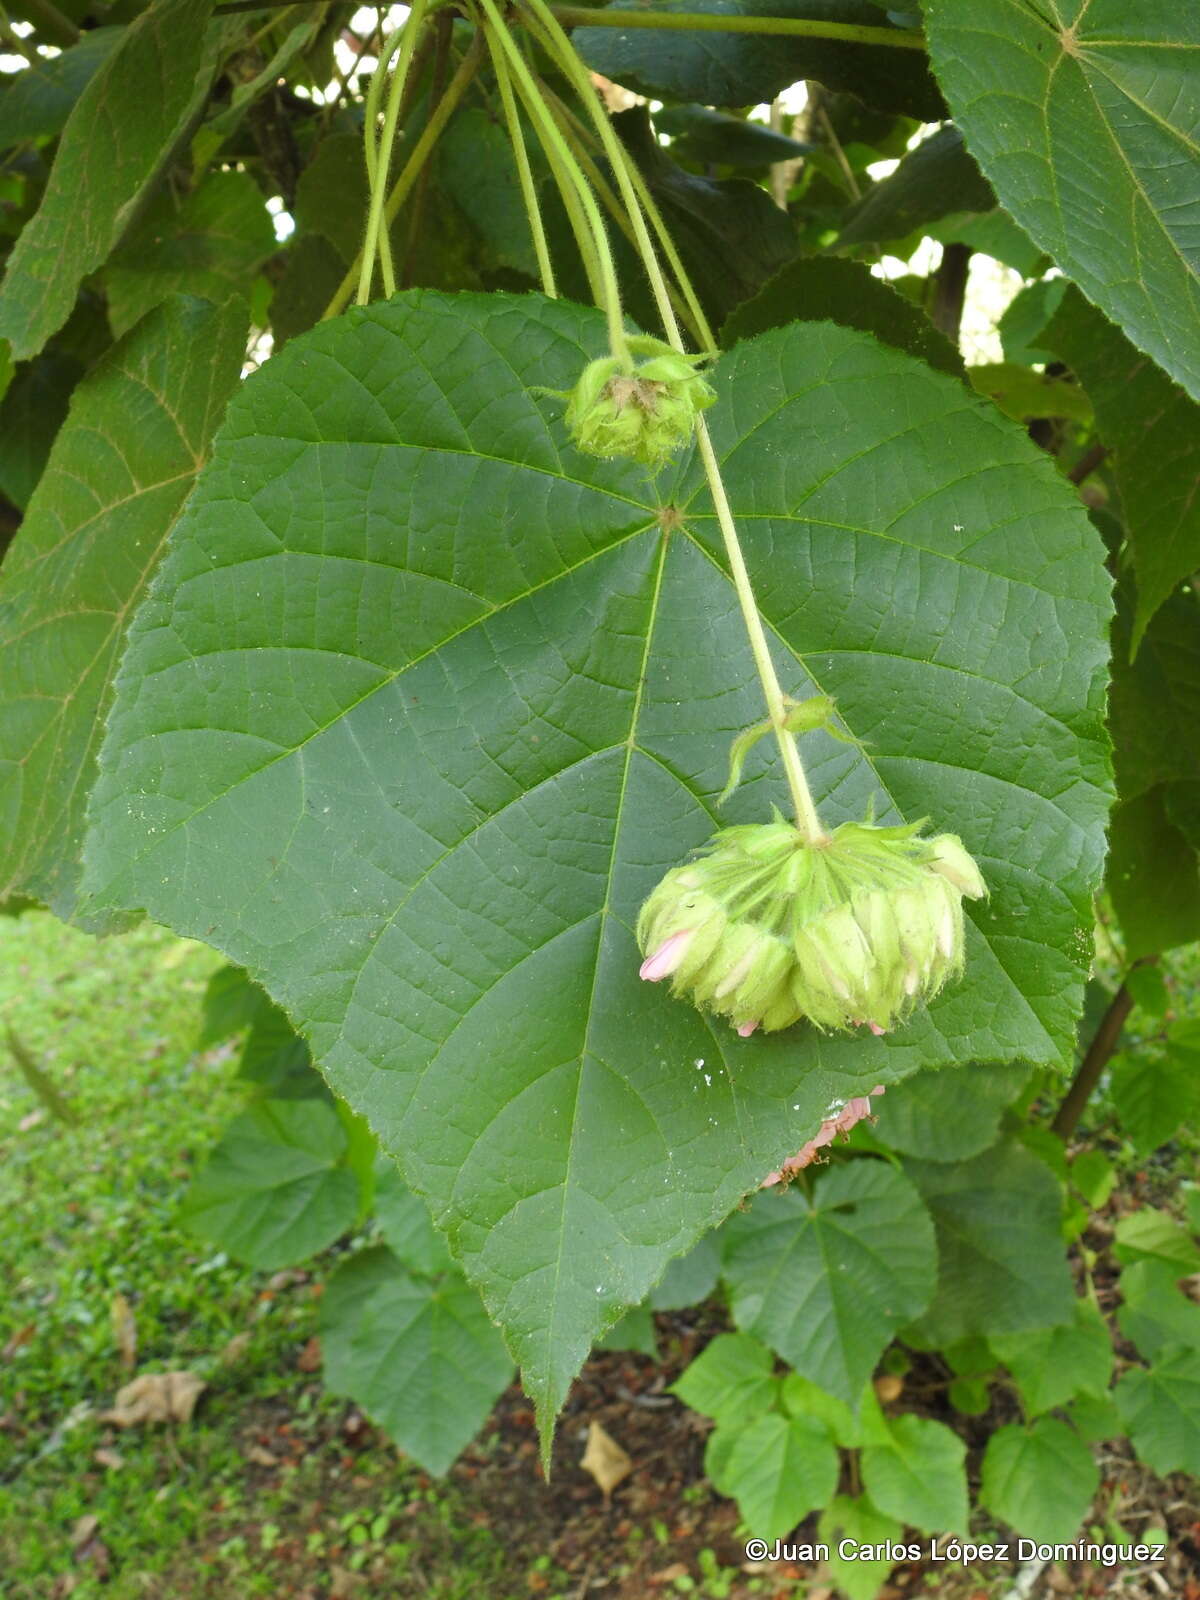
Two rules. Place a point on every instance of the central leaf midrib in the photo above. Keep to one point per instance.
(602, 917)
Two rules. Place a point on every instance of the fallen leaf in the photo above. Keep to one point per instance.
(677, 1569)
(309, 1359)
(261, 1457)
(156, 1397)
(31, 1120)
(22, 1336)
(111, 1459)
(889, 1387)
(235, 1349)
(605, 1460)
(83, 1530)
(124, 1331)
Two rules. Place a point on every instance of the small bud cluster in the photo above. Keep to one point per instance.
(845, 1118)
(766, 928)
(648, 413)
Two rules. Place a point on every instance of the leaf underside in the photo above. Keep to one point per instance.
(424, 702)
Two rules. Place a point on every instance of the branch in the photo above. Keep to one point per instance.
(705, 22)
(1099, 1053)
(1087, 463)
(950, 289)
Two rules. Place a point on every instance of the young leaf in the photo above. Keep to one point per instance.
(1156, 1313)
(1052, 1365)
(1161, 1410)
(1153, 1094)
(803, 1398)
(276, 1188)
(405, 1222)
(1083, 117)
(857, 1576)
(1040, 1479)
(826, 1282)
(365, 685)
(731, 1379)
(1001, 1262)
(917, 1475)
(121, 468)
(779, 1469)
(1152, 429)
(1150, 1235)
(122, 130)
(420, 1358)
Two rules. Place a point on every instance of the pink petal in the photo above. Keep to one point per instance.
(667, 957)
(876, 1029)
(745, 1029)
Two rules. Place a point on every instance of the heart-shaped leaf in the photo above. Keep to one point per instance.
(1084, 116)
(827, 1281)
(1040, 1479)
(427, 702)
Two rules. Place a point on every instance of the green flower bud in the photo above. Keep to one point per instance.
(648, 413)
(766, 929)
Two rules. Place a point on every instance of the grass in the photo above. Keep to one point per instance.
(90, 1210)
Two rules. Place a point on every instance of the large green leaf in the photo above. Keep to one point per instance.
(278, 1186)
(428, 701)
(1153, 1093)
(820, 288)
(420, 1358)
(1153, 430)
(738, 69)
(1040, 1479)
(731, 1379)
(947, 1115)
(1083, 114)
(210, 245)
(121, 468)
(827, 1281)
(1001, 1262)
(935, 179)
(37, 102)
(123, 128)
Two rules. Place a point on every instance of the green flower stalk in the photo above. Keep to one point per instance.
(648, 413)
(767, 927)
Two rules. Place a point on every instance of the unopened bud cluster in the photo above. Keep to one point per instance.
(766, 928)
(647, 413)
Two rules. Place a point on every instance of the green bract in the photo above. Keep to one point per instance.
(648, 413)
(767, 928)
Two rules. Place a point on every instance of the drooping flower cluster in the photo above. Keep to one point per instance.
(842, 1121)
(648, 413)
(766, 928)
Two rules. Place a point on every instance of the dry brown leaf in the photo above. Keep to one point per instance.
(16, 1340)
(112, 1459)
(605, 1460)
(83, 1530)
(261, 1457)
(309, 1359)
(889, 1388)
(124, 1331)
(156, 1397)
(236, 1348)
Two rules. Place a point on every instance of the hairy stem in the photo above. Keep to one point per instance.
(516, 139)
(684, 297)
(446, 107)
(807, 821)
(559, 151)
(705, 22)
(379, 156)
